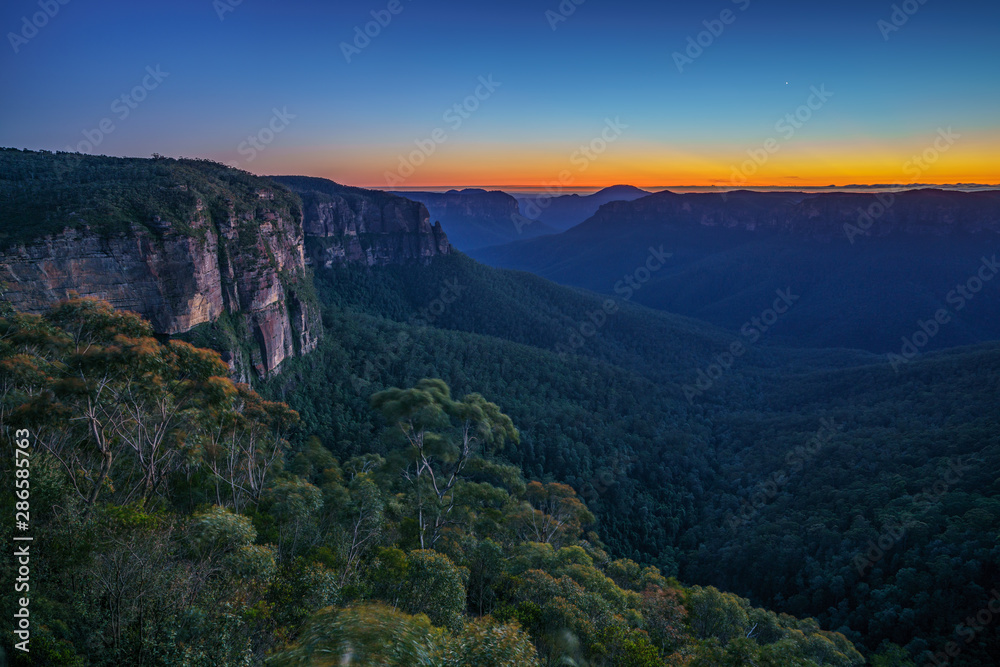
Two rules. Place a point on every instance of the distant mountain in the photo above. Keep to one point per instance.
(477, 218)
(867, 269)
(566, 211)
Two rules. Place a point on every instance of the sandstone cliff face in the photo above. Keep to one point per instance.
(249, 265)
(212, 254)
(396, 232)
(345, 225)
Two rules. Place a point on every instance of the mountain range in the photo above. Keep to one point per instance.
(564, 211)
(867, 270)
(477, 218)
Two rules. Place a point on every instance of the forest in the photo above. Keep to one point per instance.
(182, 519)
(800, 459)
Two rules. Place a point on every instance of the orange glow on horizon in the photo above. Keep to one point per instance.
(816, 164)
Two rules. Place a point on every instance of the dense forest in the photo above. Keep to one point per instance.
(803, 460)
(181, 519)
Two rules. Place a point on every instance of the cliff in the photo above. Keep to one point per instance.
(345, 225)
(181, 242)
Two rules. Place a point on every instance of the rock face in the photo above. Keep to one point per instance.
(178, 280)
(217, 257)
(174, 283)
(345, 225)
(202, 251)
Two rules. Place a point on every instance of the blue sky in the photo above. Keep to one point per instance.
(354, 120)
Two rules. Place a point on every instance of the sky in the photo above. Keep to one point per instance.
(398, 94)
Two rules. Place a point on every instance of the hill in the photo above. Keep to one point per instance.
(565, 211)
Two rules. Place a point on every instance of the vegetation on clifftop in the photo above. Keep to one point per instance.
(42, 193)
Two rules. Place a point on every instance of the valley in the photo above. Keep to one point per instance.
(704, 449)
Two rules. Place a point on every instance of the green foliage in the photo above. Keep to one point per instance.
(373, 634)
(484, 643)
(716, 614)
(42, 193)
(688, 488)
(369, 634)
(246, 545)
(219, 531)
(440, 437)
(433, 586)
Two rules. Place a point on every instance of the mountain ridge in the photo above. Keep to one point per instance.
(476, 218)
(564, 211)
(728, 256)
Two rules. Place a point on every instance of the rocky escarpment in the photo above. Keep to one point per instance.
(186, 244)
(345, 225)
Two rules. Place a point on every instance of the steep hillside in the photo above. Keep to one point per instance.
(679, 483)
(247, 550)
